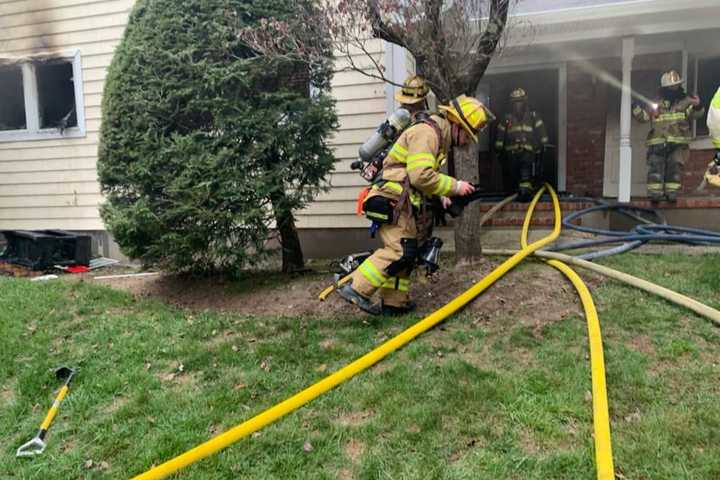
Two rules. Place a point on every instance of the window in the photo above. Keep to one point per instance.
(12, 99)
(707, 81)
(41, 97)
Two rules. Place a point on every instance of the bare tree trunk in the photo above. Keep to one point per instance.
(292, 256)
(468, 247)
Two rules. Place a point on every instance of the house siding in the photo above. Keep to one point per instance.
(53, 183)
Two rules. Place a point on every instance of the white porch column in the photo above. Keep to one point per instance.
(625, 170)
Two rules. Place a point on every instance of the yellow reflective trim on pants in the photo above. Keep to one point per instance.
(443, 186)
(399, 284)
(372, 274)
(655, 187)
(672, 186)
(539, 124)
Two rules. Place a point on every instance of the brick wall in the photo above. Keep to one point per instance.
(587, 100)
(694, 170)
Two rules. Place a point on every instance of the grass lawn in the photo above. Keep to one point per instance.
(469, 400)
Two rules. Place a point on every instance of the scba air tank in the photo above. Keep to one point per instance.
(385, 135)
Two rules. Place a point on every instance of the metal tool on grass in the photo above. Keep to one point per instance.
(37, 445)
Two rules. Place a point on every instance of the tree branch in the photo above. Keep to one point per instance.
(489, 40)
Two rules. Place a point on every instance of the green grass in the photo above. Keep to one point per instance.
(495, 401)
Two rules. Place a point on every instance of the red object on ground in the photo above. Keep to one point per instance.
(77, 269)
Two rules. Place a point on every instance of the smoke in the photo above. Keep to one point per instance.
(611, 80)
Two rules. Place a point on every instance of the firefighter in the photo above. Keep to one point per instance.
(713, 123)
(521, 141)
(670, 135)
(413, 95)
(410, 172)
(712, 175)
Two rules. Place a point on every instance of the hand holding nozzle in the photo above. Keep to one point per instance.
(465, 188)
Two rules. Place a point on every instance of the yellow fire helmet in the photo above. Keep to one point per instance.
(670, 79)
(414, 90)
(469, 113)
(712, 174)
(518, 95)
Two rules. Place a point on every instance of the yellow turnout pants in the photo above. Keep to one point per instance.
(371, 275)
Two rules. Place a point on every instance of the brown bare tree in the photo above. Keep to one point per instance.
(452, 42)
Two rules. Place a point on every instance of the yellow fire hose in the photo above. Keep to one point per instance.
(601, 416)
(677, 298)
(298, 400)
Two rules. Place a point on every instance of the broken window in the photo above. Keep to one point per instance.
(56, 94)
(12, 99)
(38, 98)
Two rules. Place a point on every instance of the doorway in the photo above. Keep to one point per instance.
(542, 89)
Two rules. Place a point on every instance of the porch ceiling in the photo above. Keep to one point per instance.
(628, 18)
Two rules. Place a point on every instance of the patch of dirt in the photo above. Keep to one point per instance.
(532, 296)
(13, 270)
(354, 419)
(7, 395)
(117, 404)
(528, 442)
(643, 344)
(354, 450)
(345, 474)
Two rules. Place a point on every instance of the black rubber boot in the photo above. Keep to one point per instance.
(354, 297)
(393, 311)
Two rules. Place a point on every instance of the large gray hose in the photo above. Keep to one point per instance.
(674, 297)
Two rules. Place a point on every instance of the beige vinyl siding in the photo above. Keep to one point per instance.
(53, 183)
(361, 108)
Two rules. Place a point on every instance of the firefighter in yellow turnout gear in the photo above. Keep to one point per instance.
(712, 176)
(410, 171)
(670, 136)
(521, 140)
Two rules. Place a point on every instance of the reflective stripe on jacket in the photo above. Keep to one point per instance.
(417, 156)
(516, 135)
(671, 122)
(713, 120)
